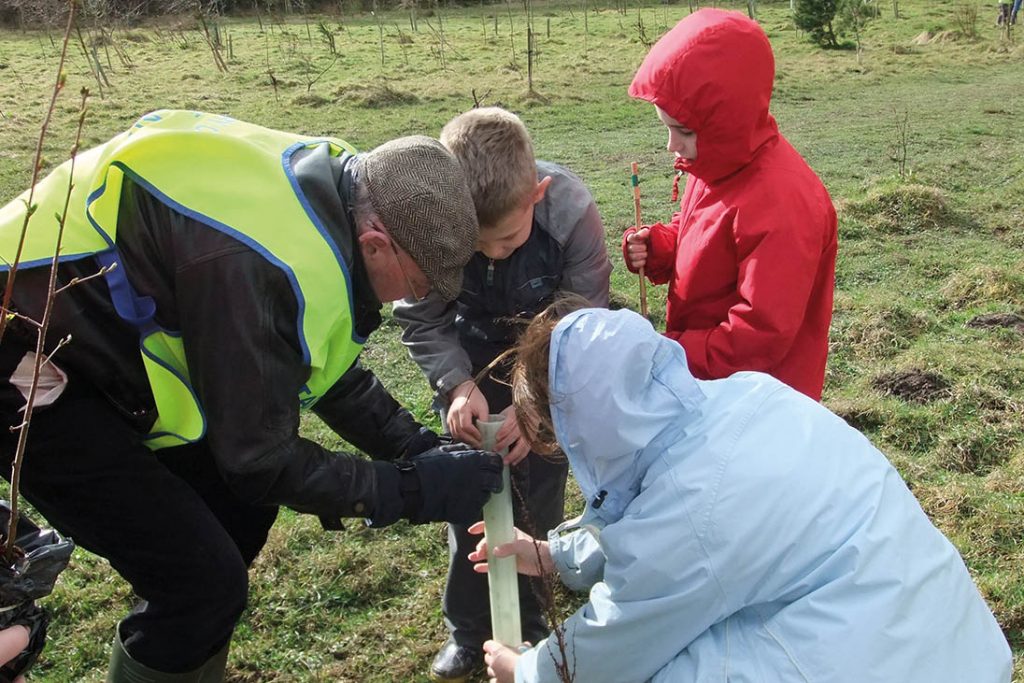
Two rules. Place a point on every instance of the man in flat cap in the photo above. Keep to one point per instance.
(243, 269)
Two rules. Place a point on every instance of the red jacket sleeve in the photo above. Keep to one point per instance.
(661, 250)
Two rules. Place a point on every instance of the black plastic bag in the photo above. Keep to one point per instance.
(43, 555)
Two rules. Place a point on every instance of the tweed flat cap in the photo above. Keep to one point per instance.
(420, 194)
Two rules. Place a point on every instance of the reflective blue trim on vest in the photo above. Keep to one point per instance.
(4, 267)
(88, 203)
(286, 162)
(138, 311)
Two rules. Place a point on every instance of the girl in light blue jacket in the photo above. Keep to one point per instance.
(735, 530)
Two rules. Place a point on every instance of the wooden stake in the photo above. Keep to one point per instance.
(636, 211)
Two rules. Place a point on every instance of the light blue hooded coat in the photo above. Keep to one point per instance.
(738, 531)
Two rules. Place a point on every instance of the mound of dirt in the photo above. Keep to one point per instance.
(903, 208)
(990, 320)
(882, 333)
(948, 37)
(985, 284)
(310, 99)
(375, 96)
(914, 386)
(926, 37)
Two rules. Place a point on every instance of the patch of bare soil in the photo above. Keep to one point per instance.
(914, 386)
(860, 418)
(990, 320)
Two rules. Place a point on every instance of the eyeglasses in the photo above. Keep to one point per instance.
(408, 280)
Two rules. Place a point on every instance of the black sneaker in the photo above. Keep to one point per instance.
(455, 663)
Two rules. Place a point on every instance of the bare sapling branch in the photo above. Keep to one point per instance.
(61, 344)
(40, 355)
(24, 318)
(213, 43)
(37, 164)
(79, 280)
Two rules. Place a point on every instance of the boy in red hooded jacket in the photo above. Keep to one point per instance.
(750, 256)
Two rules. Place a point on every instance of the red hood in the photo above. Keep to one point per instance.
(713, 72)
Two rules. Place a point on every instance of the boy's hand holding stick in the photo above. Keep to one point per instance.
(636, 210)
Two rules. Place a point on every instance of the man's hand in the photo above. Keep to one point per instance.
(453, 487)
(466, 405)
(422, 440)
(634, 248)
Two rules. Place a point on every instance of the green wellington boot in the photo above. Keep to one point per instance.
(124, 669)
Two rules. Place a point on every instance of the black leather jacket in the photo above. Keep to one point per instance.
(237, 314)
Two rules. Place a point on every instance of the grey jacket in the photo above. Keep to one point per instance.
(566, 252)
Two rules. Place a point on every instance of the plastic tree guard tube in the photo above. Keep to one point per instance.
(502, 578)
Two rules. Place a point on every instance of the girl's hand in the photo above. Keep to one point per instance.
(509, 437)
(636, 248)
(533, 558)
(501, 662)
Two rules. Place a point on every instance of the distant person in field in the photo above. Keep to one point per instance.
(750, 256)
(735, 530)
(244, 269)
(540, 235)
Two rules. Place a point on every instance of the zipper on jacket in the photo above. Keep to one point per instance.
(490, 272)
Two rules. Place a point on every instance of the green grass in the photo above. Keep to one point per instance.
(919, 258)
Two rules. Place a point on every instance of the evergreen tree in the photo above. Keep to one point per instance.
(815, 17)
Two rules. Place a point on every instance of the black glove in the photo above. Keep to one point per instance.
(436, 486)
(420, 442)
(455, 486)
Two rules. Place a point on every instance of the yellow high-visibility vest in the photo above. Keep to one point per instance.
(231, 176)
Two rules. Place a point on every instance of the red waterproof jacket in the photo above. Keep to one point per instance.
(750, 256)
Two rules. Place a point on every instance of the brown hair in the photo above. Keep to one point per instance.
(531, 394)
(496, 154)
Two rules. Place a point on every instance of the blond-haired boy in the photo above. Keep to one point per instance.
(540, 234)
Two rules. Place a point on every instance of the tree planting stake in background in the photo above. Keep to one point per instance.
(636, 210)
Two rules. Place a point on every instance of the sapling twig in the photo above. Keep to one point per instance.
(44, 324)
(37, 164)
(88, 60)
(213, 44)
(61, 344)
(79, 280)
(19, 316)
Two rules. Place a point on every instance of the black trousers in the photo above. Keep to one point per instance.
(538, 482)
(165, 521)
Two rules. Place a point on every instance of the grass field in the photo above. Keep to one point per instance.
(922, 255)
